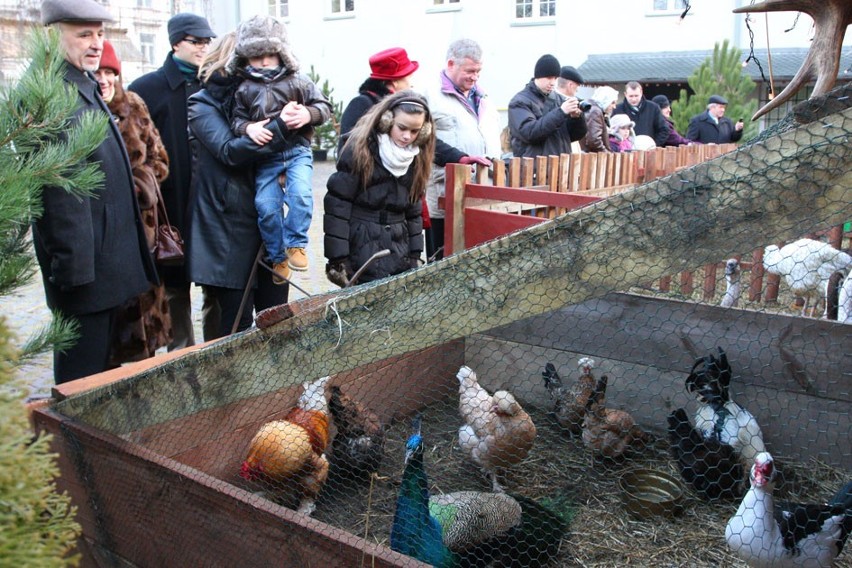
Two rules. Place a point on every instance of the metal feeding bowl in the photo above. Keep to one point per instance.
(648, 492)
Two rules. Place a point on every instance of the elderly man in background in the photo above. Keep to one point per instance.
(166, 91)
(712, 126)
(645, 114)
(466, 120)
(92, 250)
(540, 122)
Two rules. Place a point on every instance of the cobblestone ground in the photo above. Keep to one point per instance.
(25, 310)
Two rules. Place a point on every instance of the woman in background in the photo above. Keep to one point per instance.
(674, 138)
(374, 199)
(224, 237)
(597, 120)
(143, 325)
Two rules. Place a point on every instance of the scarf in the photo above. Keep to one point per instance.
(394, 158)
(188, 70)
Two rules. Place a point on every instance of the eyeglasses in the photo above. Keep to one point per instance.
(197, 42)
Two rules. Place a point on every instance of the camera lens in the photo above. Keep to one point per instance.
(585, 106)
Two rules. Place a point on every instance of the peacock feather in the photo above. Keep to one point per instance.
(469, 528)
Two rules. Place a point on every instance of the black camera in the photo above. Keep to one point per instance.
(585, 106)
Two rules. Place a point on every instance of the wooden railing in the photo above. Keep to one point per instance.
(484, 204)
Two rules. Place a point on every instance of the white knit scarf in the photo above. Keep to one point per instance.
(394, 158)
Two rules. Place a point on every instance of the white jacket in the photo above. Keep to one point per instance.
(457, 125)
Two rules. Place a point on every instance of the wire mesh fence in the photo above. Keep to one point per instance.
(538, 399)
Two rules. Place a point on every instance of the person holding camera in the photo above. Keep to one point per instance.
(712, 126)
(543, 122)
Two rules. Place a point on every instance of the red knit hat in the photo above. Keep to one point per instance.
(109, 59)
(392, 64)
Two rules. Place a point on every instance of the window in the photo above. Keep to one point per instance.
(444, 2)
(342, 6)
(279, 8)
(146, 46)
(533, 10)
(144, 4)
(669, 6)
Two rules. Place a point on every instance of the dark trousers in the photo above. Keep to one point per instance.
(265, 295)
(90, 354)
(435, 239)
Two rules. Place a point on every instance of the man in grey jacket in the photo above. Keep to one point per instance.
(92, 250)
(466, 119)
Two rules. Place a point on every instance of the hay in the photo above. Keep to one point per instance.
(559, 469)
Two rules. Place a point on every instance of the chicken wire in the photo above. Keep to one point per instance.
(208, 450)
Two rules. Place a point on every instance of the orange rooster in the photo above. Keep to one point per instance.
(497, 432)
(608, 431)
(288, 453)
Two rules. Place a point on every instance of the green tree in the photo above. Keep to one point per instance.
(39, 146)
(720, 74)
(327, 133)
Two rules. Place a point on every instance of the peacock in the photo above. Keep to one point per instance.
(469, 528)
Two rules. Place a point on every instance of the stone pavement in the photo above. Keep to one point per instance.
(26, 312)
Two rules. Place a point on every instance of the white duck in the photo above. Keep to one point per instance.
(765, 534)
(732, 277)
(806, 266)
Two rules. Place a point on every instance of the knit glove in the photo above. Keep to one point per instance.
(339, 272)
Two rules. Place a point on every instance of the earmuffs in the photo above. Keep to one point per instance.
(386, 120)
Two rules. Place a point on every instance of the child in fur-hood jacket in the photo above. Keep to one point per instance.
(273, 86)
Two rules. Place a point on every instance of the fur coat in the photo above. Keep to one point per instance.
(143, 324)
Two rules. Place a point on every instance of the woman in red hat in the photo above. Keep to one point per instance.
(143, 325)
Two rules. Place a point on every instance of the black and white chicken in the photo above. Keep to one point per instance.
(711, 467)
(778, 535)
(718, 416)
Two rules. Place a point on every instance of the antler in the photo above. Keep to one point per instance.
(831, 17)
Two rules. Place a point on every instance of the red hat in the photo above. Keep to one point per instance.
(109, 59)
(392, 64)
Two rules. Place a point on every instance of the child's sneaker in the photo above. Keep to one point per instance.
(280, 273)
(297, 259)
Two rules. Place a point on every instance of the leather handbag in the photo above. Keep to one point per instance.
(168, 248)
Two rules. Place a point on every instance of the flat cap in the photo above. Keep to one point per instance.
(571, 74)
(717, 99)
(186, 24)
(53, 11)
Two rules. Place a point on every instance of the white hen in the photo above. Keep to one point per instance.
(732, 278)
(806, 266)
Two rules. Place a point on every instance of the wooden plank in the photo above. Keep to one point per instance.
(454, 210)
(709, 289)
(527, 172)
(483, 226)
(153, 511)
(515, 172)
(499, 172)
(531, 196)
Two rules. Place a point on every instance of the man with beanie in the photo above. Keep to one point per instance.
(674, 139)
(166, 91)
(540, 122)
(92, 251)
(712, 126)
(644, 113)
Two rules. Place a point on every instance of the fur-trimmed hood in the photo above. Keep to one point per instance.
(258, 36)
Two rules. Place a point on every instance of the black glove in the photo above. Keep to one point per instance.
(413, 262)
(339, 272)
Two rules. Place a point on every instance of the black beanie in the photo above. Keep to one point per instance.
(547, 66)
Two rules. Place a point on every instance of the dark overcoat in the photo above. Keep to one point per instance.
(704, 129)
(539, 127)
(224, 237)
(648, 118)
(92, 250)
(166, 91)
(360, 221)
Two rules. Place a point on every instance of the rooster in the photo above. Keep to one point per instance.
(358, 446)
(288, 454)
(765, 533)
(468, 528)
(607, 431)
(711, 467)
(718, 416)
(570, 405)
(497, 432)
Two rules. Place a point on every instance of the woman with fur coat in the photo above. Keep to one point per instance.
(374, 198)
(143, 325)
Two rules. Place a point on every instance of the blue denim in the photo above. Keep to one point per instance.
(280, 232)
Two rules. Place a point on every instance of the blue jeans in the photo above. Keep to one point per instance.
(279, 232)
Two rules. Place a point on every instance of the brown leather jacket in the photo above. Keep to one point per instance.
(597, 134)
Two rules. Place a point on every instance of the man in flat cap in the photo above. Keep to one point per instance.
(166, 91)
(540, 122)
(712, 126)
(92, 250)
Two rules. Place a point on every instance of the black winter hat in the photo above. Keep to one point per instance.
(662, 101)
(571, 74)
(547, 66)
(182, 25)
